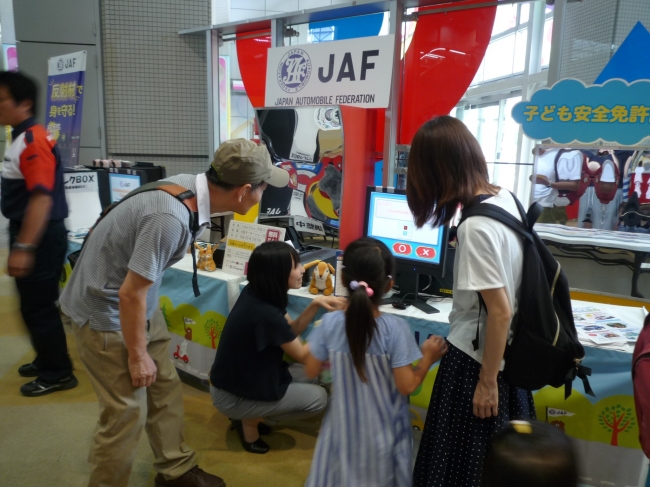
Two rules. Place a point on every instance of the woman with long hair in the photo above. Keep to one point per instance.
(249, 379)
(471, 401)
(365, 439)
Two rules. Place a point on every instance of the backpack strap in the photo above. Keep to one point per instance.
(522, 228)
(184, 195)
(188, 198)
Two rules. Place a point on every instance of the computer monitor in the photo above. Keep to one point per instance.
(122, 184)
(417, 251)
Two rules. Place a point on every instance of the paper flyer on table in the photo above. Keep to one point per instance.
(602, 327)
(242, 240)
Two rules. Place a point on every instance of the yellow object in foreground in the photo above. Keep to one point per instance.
(251, 216)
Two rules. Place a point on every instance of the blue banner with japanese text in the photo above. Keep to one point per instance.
(571, 112)
(65, 89)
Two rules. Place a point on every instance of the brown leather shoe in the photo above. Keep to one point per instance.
(193, 478)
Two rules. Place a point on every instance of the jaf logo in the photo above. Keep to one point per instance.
(294, 70)
(60, 65)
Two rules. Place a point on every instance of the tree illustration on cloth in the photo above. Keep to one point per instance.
(616, 419)
(213, 330)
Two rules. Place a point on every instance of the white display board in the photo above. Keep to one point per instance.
(82, 196)
(354, 72)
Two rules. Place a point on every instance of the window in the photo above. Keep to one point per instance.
(546, 41)
(506, 54)
(321, 34)
(497, 133)
(505, 19)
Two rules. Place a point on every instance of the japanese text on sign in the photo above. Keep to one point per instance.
(66, 91)
(242, 240)
(589, 114)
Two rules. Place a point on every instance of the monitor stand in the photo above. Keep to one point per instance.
(409, 294)
(420, 302)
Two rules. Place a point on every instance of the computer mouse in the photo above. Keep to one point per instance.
(399, 305)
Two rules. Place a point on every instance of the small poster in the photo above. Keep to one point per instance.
(242, 240)
(65, 89)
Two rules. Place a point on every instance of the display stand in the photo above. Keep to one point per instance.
(408, 286)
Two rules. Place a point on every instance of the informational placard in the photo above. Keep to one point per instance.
(121, 185)
(82, 196)
(617, 112)
(308, 225)
(65, 89)
(339, 287)
(354, 72)
(242, 240)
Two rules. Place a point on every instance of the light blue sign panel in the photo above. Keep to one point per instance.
(569, 112)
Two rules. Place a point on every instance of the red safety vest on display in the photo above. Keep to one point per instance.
(606, 191)
(585, 178)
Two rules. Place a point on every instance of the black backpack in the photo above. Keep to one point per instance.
(544, 349)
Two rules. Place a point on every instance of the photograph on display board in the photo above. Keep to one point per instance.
(308, 143)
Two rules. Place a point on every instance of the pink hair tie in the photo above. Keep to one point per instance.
(354, 285)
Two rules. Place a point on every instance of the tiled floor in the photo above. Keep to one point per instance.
(44, 441)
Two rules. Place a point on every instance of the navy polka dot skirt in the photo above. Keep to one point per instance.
(454, 440)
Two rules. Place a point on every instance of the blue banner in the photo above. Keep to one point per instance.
(617, 112)
(65, 88)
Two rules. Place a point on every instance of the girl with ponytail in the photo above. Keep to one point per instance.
(365, 438)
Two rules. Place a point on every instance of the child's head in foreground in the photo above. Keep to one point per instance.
(530, 454)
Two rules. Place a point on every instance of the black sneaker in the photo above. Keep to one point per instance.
(39, 388)
(28, 370)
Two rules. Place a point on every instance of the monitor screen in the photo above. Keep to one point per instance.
(389, 219)
(122, 184)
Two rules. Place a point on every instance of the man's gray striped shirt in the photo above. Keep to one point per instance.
(145, 234)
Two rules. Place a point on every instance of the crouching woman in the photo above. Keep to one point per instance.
(250, 381)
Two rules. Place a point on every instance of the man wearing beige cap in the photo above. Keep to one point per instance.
(112, 299)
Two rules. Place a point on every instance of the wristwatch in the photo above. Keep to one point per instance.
(24, 247)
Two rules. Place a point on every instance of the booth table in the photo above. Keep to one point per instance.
(588, 243)
(196, 323)
(607, 456)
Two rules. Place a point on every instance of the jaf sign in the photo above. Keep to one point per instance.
(353, 72)
(570, 112)
(65, 89)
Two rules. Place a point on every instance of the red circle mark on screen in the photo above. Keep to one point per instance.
(402, 248)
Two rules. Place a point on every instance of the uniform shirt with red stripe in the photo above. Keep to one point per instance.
(32, 165)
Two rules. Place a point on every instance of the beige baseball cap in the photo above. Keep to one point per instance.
(241, 161)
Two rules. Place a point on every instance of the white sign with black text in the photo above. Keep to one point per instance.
(354, 72)
(308, 225)
(82, 195)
